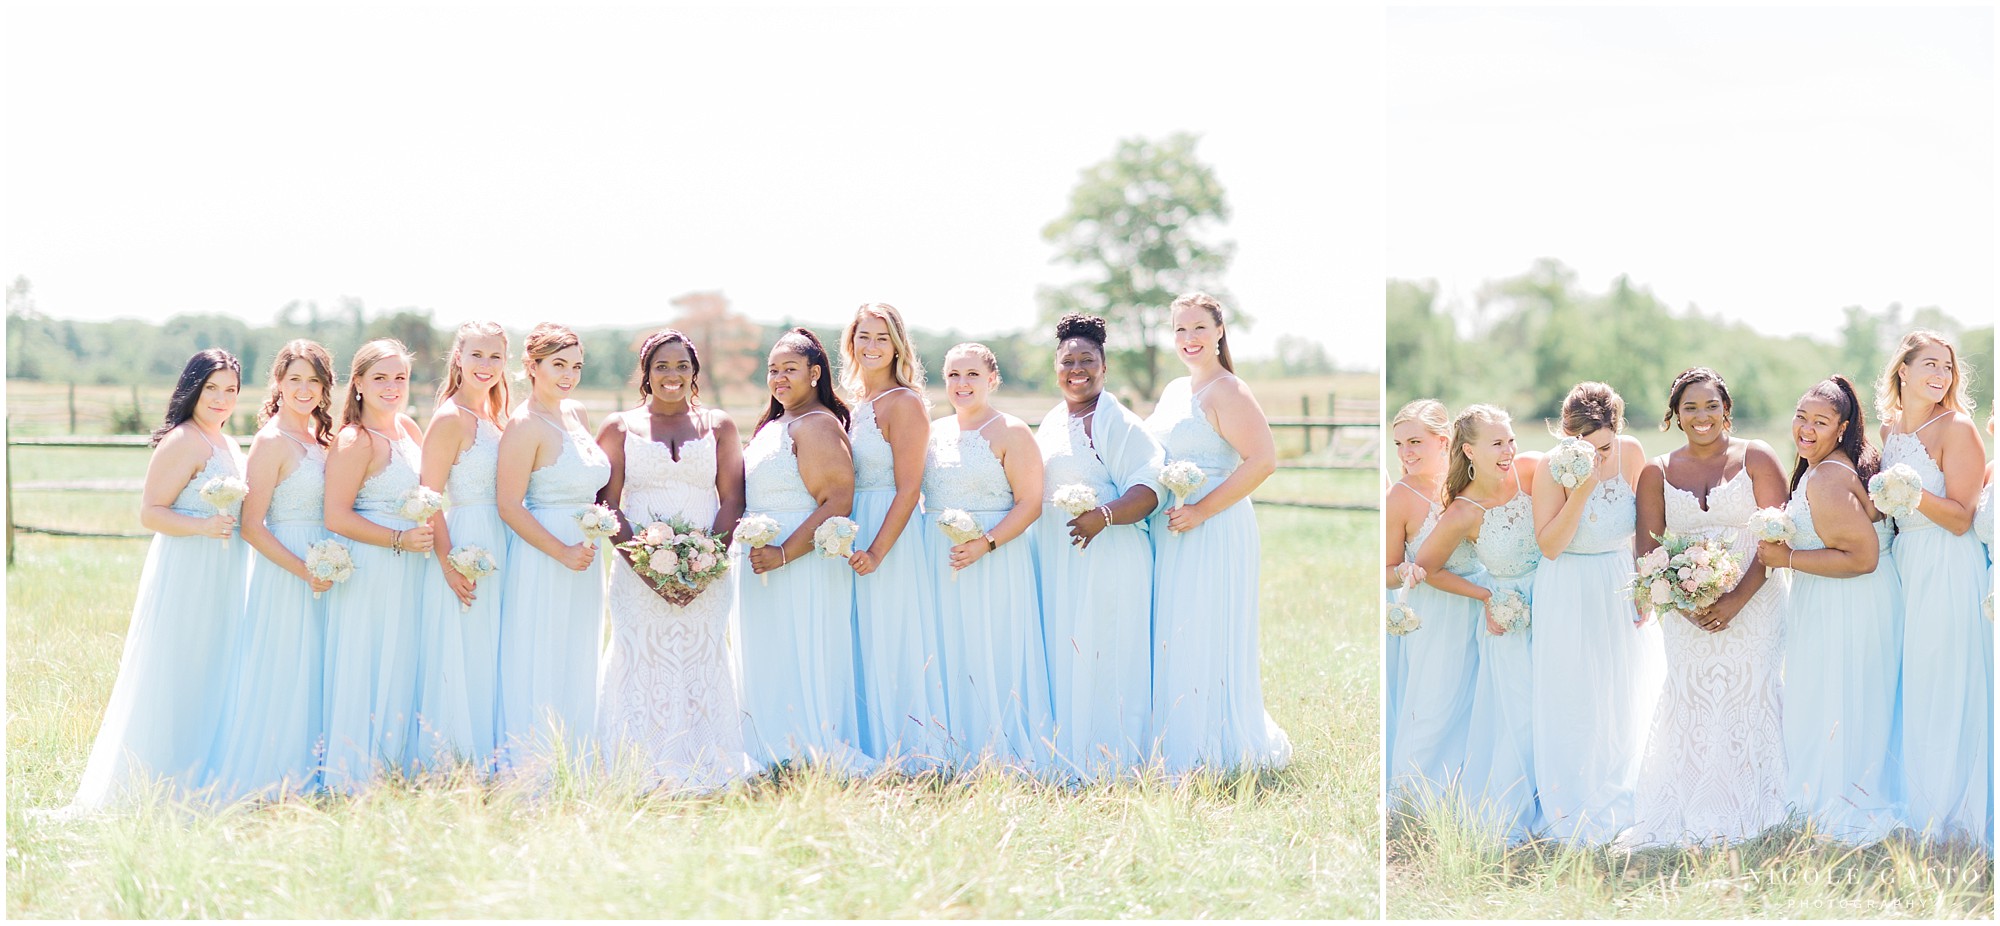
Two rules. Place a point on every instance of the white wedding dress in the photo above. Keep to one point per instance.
(665, 699)
(1714, 768)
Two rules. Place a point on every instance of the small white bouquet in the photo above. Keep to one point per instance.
(597, 522)
(1401, 617)
(959, 525)
(225, 493)
(679, 559)
(835, 537)
(1571, 461)
(328, 559)
(472, 562)
(1897, 490)
(757, 530)
(1182, 477)
(1684, 574)
(1510, 610)
(1773, 525)
(1074, 498)
(418, 504)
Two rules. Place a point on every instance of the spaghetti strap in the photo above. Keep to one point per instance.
(1218, 380)
(890, 392)
(1840, 463)
(982, 425)
(1481, 507)
(802, 417)
(1400, 484)
(1934, 418)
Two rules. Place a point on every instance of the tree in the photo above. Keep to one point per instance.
(728, 342)
(1141, 226)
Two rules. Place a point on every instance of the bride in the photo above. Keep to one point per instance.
(1714, 768)
(665, 699)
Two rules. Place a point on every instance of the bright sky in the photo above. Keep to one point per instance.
(1772, 165)
(589, 164)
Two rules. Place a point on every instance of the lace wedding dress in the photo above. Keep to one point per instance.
(1714, 769)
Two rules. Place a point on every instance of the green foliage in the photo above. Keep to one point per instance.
(1141, 228)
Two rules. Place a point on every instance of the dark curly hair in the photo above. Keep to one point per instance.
(1078, 325)
(1688, 378)
(653, 343)
(187, 392)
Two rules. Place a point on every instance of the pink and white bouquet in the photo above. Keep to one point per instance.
(418, 504)
(1897, 490)
(1510, 610)
(1773, 525)
(959, 525)
(472, 562)
(1571, 462)
(679, 559)
(328, 559)
(1402, 618)
(835, 537)
(1685, 574)
(597, 522)
(757, 530)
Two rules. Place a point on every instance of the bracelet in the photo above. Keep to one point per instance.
(1788, 557)
(991, 544)
(396, 541)
(1105, 510)
(783, 558)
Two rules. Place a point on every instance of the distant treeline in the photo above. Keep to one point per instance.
(1537, 334)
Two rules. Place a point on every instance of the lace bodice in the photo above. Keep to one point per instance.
(1908, 448)
(1807, 536)
(300, 496)
(1730, 506)
(220, 464)
(657, 487)
(874, 461)
(771, 480)
(580, 469)
(961, 471)
(1610, 518)
(1506, 544)
(470, 481)
(1068, 458)
(1982, 517)
(1462, 561)
(383, 492)
(1180, 426)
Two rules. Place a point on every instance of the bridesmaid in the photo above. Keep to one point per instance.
(1489, 493)
(1597, 663)
(1097, 624)
(795, 619)
(986, 464)
(271, 736)
(552, 595)
(1843, 624)
(372, 622)
(1947, 698)
(901, 686)
(461, 621)
(166, 705)
(1208, 704)
(1440, 659)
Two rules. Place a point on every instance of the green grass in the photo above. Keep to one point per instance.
(1298, 843)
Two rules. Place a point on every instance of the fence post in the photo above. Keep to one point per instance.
(10, 489)
(72, 407)
(1306, 412)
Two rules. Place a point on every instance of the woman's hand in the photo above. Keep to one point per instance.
(458, 583)
(578, 556)
(218, 525)
(967, 553)
(418, 539)
(1411, 574)
(1085, 527)
(864, 562)
(767, 557)
(1492, 626)
(1774, 555)
(1186, 517)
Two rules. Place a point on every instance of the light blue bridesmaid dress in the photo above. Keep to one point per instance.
(1947, 703)
(1208, 702)
(900, 680)
(794, 627)
(1440, 672)
(1499, 780)
(996, 667)
(1597, 674)
(1392, 689)
(373, 636)
(1982, 525)
(1843, 640)
(1097, 607)
(457, 698)
(271, 736)
(167, 703)
(552, 616)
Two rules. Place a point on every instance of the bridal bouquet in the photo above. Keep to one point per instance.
(757, 530)
(1510, 610)
(225, 493)
(328, 560)
(679, 559)
(418, 504)
(835, 537)
(472, 562)
(1571, 461)
(1773, 525)
(1074, 498)
(959, 525)
(1897, 490)
(1182, 477)
(1685, 574)
(1402, 617)
(597, 522)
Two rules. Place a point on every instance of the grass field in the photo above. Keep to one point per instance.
(1298, 843)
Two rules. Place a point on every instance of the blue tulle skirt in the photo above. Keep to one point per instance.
(1097, 612)
(271, 736)
(551, 630)
(1434, 711)
(795, 653)
(995, 663)
(1499, 779)
(1392, 691)
(167, 703)
(1843, 645)
(372, 656)
(898, 673)
(1947, 679)
(457, 696)
(1208, 700)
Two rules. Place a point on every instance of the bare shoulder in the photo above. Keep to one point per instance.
(1760, 455)
(817, 427)
(1233, 394)
(409, 427)
(615, 424)
(723, 426)
(350, 437)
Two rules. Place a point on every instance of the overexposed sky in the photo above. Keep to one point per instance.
(587, 164)
(1771, 165)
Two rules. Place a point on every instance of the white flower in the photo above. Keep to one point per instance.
(756, 530)
(1182, 477)
(1897, 490)
(1571, 461)
(224, 492)
(597, 522)
(656, 534)
(1074, 498)
(1510, 610)
(1773, 525)
(835, 537)
(328, 559)
(419, 503)
(959, 525)
(1402, 618)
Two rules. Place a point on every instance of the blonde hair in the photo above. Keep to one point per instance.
(365, 359)
(981, 351)
(1464, 430)
(1889, 388)
(1427, 412)
(498, 399)
(546, 340)
(907, 368)
(1592, 406)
